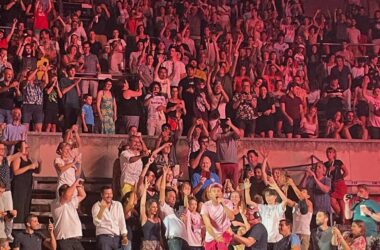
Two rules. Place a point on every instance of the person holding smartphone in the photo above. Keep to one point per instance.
(201, 180)
(32, 238)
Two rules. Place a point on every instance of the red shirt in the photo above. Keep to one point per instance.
(41, 21)
(3, 43)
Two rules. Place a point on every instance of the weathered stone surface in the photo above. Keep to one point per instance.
(99, 152)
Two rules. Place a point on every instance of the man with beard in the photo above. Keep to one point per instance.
(108, 217)
(321, 236)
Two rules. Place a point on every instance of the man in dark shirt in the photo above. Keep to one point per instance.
(32, 240)
(363, 22)
(99, 23)
(321, 236)
(186, 90)
(374, 33)
(343, 74)
(292, 109)
(12, 9)
(28, 61)
(334, 95)
(195, 158)
(71, 93)
(257, 236)
(354, 127)
(9, 92)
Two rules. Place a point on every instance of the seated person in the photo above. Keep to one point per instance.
(354, 128)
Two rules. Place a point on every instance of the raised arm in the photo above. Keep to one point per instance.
(9, 36)
(247, 195)
(163, 185)
(68, 195)
(274, 186)
(143, 217)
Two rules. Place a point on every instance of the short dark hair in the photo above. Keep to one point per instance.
(86, 96)
(203, 137)
(29, 218)
(270, 191)
(168, 190)
(86, 42)
(103, 188)
(252, 151)
(70, 67)
(325, 213)
(287, 222)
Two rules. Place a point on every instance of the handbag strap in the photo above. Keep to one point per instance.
(220, 99)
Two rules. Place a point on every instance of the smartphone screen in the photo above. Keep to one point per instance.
(205, 174)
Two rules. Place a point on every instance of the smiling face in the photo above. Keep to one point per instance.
(235, 198)
(107, 195)
(170, 198)
(205, 163)
(153, 208)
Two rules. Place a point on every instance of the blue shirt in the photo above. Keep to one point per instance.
(88, 114)
(197, 178)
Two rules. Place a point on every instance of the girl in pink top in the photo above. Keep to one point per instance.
(194, 223)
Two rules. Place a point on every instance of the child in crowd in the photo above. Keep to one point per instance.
(88, 121)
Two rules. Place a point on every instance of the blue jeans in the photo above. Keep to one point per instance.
(5, 116)
(127, 247)
(107, 242)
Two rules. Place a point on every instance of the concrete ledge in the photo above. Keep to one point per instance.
(361, 157)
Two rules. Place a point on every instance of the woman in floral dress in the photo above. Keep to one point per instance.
(106, 106)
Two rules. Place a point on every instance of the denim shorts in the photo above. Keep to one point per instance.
(32, 112)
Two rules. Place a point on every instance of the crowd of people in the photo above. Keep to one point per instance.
(272, 70)
(150, 206)
(210, 70)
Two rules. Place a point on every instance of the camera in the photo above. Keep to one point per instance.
(349, 196)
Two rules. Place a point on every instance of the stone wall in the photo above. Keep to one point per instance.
(362, 158)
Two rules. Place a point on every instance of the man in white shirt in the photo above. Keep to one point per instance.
(176, 68)
(131, 164)
(67, 225)
(108, 217)
(175, 228)
(156, 105)
(272, 212)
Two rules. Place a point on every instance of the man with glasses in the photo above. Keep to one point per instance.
(195, 158)
(91, 67)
